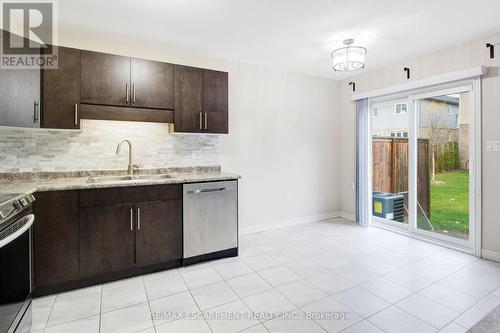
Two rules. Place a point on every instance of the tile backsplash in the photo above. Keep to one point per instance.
(94, 147)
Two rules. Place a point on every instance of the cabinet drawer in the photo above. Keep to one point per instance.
(129, 195)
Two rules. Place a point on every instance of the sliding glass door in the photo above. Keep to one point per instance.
(443, 169)
(423, 151)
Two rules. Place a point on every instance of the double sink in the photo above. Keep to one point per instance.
(109, 179)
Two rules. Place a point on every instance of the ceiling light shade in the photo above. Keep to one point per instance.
(349, 58)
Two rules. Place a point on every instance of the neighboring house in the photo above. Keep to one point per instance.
(441, 120)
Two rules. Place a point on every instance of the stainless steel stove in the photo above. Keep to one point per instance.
(10, 203)
(16, 220)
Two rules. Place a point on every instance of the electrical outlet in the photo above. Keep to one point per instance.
(493, 146)
(196, 154)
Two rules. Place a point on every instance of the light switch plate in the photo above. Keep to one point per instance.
(493, 146)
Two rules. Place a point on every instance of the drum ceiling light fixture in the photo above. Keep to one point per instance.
(349, 58)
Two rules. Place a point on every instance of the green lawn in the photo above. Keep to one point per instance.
(450, 203)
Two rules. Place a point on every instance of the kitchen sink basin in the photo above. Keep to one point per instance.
(153, 177)
(111, 179)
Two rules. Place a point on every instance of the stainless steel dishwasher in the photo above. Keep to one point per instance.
(210, 221)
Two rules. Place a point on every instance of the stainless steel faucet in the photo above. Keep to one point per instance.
(131, 166)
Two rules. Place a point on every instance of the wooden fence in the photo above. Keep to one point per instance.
(390, 168)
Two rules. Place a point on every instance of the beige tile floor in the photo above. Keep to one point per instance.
(320, 277)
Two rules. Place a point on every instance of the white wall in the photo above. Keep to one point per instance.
(458, 57)
(282, 133)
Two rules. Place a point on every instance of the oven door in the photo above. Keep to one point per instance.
(15, 276)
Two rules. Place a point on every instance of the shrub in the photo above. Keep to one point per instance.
(447, 157)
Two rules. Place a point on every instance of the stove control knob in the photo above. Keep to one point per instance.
(17, 204)
(31, 198)
(2, 215)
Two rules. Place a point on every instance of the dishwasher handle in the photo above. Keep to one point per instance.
(207, 190)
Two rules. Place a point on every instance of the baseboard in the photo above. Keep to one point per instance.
(287, 223)
(490, 255)
(348, 216)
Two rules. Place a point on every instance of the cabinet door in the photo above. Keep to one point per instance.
(152, 84)
(55, 238)
(61, 91)
(106, 239)
(159, 232)
(105, 79)
(188, 91)
(215, 101)
(19, 94)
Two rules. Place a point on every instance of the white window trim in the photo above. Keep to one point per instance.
(425, 84)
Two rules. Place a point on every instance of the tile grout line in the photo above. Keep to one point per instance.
(197, 305)
(147, 300)
(244, 303)
(100, 309)
(50, 313)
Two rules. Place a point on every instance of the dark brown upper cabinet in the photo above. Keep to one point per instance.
(188, 99)
(120, 88)
(201, 100)
(215, 101)
(20, 91)
(152, 84)
(105, 79)
(61, 91)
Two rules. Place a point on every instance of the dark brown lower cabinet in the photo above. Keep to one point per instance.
(106, 239)
(159, 232)
(118, 231)
(55, 238)
(99, 235)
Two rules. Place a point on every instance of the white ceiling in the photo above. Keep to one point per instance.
(292, 35)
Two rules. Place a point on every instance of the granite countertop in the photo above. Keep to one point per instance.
(73, 180)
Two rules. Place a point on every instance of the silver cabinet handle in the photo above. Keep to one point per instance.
(126, 91)
(131, 219)
(206, 121)
(138, 218)
(133, 92)
(76, 114)
(35, 112)
(201, 120)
